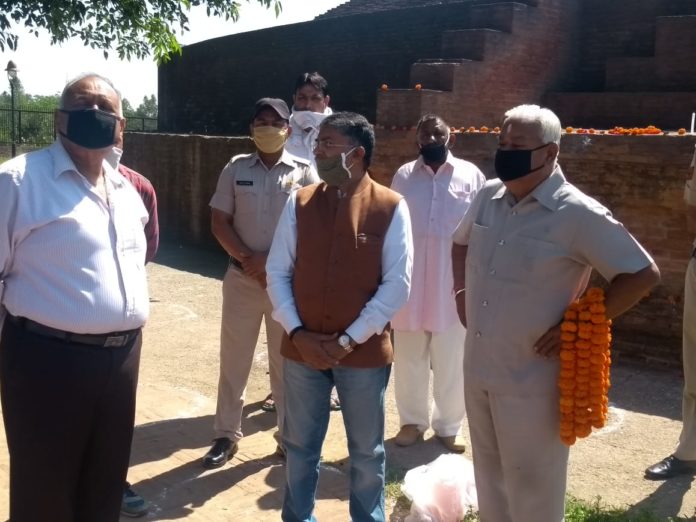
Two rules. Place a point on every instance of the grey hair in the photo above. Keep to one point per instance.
(82, 76)
(545, 119)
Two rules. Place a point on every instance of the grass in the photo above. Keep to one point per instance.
(576, 510)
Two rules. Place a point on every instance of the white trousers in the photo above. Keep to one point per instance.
(686, 450)
(244, 304)
(520, 463)
(415, 355)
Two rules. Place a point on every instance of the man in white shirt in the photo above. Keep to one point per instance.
(310, 106)
(338, 270)
(438, 189)
(72, 262)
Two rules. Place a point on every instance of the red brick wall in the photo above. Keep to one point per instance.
(519, 67)
(619, 28)
(211, 88)
(184, 170)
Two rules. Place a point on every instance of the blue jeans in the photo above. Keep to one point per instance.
(307, 392)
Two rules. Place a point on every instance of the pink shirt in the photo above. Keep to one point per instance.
(437, 203)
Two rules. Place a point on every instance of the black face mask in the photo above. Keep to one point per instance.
(434, 153)
(91, 128)
(514, 164)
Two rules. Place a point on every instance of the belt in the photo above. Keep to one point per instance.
(236, 263)
(108, 340)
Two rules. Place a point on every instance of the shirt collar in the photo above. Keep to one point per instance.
(62, 162)
(545, 193)
(285, 157)
(448, 161)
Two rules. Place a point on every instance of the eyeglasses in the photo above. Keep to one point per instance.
(326, 143)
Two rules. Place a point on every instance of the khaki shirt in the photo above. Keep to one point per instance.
(255, 196)
(526, 262)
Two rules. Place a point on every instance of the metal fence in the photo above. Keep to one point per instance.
(34, 129)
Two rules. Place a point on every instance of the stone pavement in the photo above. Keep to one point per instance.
(176, 403)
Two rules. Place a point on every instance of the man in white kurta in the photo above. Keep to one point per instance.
(438, 189)
(530, 241)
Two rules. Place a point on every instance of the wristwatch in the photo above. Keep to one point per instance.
(345, 342)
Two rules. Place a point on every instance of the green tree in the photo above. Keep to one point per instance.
(126, 107)
(133, 28)
(147, 109)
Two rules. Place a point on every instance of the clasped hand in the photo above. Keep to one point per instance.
(320, 351)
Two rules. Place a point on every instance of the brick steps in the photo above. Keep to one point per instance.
(637, 88)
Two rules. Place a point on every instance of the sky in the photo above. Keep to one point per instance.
(44, 69)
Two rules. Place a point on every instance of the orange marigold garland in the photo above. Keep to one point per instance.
(585, 360)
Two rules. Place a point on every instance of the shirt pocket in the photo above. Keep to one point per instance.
(456, 204)
(477, 256)
(245, 199)
(533, 260)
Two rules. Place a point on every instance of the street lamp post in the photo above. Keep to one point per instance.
(12, 77)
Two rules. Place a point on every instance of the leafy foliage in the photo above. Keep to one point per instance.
(133, 28)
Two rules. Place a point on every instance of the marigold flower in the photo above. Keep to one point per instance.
(584, 366)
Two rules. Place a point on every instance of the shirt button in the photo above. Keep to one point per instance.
(492, 271)
(478, 334)
(484, 302)
(501, 242)
(514, 212)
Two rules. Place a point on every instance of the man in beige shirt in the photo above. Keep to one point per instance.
(250, 196)
(522, 254)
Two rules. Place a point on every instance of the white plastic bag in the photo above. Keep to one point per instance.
(442, 491)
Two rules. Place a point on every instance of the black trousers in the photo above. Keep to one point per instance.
(69, 411)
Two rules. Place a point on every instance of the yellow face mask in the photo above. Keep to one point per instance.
(270, 139)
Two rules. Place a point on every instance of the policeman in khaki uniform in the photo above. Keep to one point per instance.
(250, 195)
(522, 254)
(683, 460)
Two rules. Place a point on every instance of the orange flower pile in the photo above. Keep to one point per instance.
(585, 361)
(483, 130)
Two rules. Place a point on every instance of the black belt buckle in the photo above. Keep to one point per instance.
(116, 341)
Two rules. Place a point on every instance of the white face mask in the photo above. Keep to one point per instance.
(307, 119)
(114, 157)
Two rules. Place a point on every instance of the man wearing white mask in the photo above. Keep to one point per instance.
(250, 196)
(310, 106)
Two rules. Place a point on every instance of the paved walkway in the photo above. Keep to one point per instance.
(177, 402)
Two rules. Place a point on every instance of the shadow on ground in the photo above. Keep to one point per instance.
(208, 262)
(667, 499)
(159, 440)
(643, 390)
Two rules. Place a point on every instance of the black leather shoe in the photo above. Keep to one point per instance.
(223, 449)
(670, 467)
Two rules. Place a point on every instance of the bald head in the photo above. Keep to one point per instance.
(91, 90)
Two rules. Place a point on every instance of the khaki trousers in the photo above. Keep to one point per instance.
(244, 304)
(686, 450)
(520, 462)
(415, 354)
